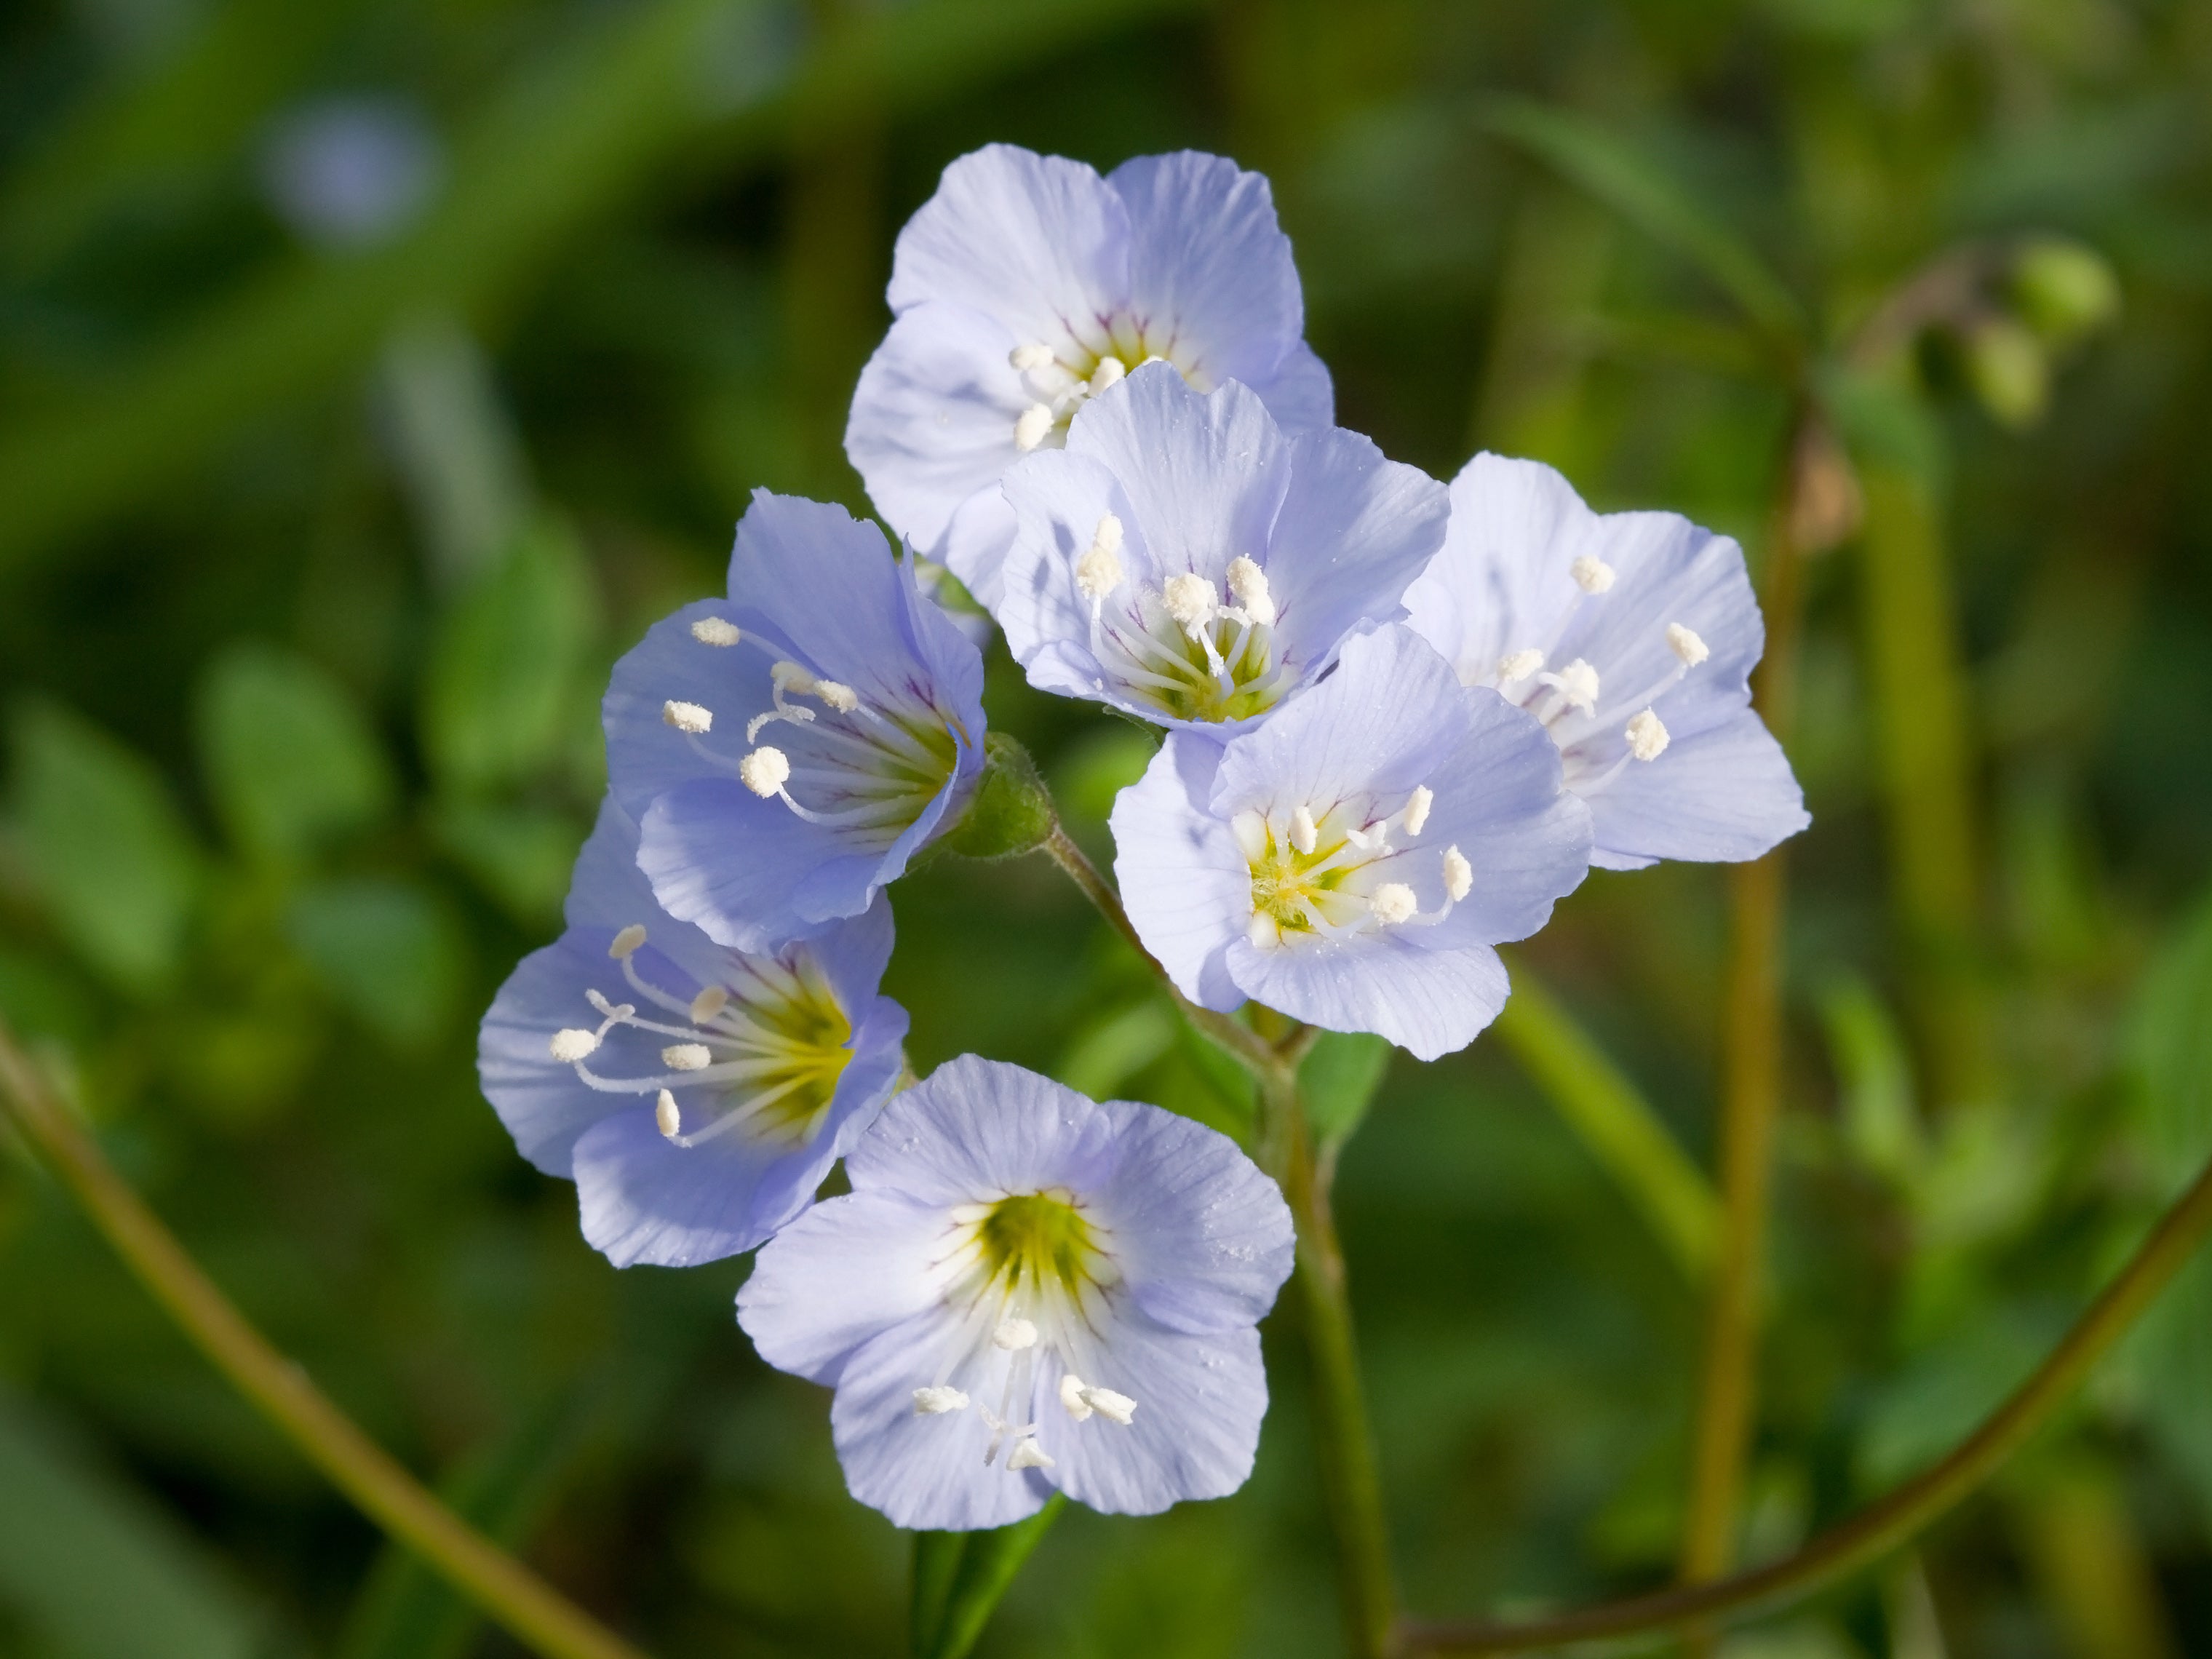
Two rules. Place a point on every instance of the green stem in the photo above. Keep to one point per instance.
(1883, 1525)
(1344, 1442)
(532, 1610)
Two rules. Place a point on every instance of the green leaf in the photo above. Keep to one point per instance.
(290, 760)
(521, 855)
(1623, 176)
(386, 950)
(1108, 1054)
(92, 1565)
(504, 666)
(1341, 1075)
(960, 1577)
(109, 853)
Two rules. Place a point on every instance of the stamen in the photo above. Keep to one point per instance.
(1459, 875)
(1686, 645)
(1070, 1396)
(1099, 572)
(572, 1044)
(1029, 430)
(1249, 584)
(934, 1402)
(1263, 931)
(1190, 601)
(1028, 1455)
(687, 717)
(1029, 356)
(708, 1003)
(687, 1057)
(666, 1117)
(1417, 809)
(1519, 665)
(1109, 370)
(627, 942)
(1591, 574)
(764, 770)
(1393, 903)
(1305, 835)
(839, 695)
(1647, 737)
(1114, 1407)
(788, 676)
(715, 630)
(1577, 684)
(1015, 1333)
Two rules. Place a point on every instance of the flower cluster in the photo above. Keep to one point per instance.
(1399, 723)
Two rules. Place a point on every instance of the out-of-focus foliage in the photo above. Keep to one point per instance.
(371, 373)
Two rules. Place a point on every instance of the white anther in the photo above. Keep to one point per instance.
(839, 695)
(1459, 874)
(1249, 584)
(572, 1044)
(687, 717)
(1519, 666)
(1393, 903)
(1305, 835)
(1591, 574)
(687, 1057)
(1109, 370)
(1070, 1396)
(764, 770)
(1029, 356)
(790, 677)
(1028, 1455)
(708, 1003)
(935, 1402)
(714, 630)
(1015, 1333)
(1114, 1407)
(1029, 430)
(1263, 932)
(1099, 572)
(1577, 684)
(1416, 808)
(627, 942)
(1686, 645)
(666, 1117)
(1189, 601)
(1647, 737)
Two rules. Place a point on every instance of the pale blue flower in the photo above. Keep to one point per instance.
(1026, 285)
(1351, 861)
(786, 752)
(1184, 560)
(1632, 637)
(696, 1095)
(1027, 1290)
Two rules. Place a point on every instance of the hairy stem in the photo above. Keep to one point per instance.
(1343, 1439)
(1888, 1523)
(531, 1610)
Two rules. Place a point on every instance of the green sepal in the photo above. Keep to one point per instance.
(960, 1577)
(1011, 811)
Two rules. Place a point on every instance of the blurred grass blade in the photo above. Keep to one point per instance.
(288, 755)
(1626, 180)
(1340, 1076)
(1110, 1054)
(109, 852)
(1614, 1123)
(959, 1578)
(408, 1612)
(90, 1564)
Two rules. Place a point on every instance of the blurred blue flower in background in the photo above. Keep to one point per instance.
(1352, 862)
(787, 752)
(351, 171)
(1028, 285)
(698, 1106)
(1027, 1290)
(1632, 637)
(1185, 560)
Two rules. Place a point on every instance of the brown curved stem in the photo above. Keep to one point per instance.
(534, 1613)
(1884, 1525)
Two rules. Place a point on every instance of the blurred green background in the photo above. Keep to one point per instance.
(372, 372)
